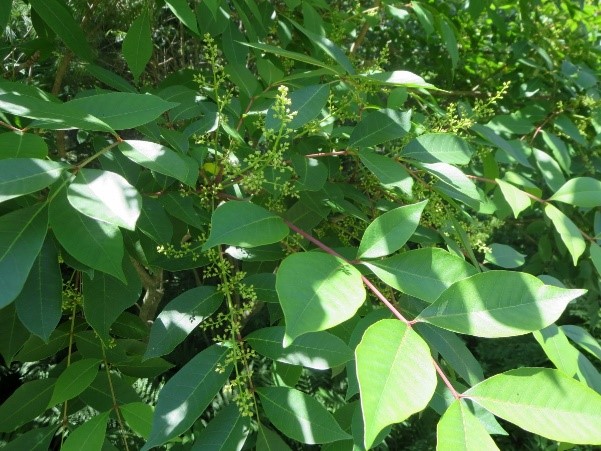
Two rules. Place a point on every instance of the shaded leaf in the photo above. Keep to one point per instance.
(26, 403)
(22, 234)
(423, 273)
(583, 339)
(89, 435)
(438, 147)
(20, 176)
(476, 306)
(307, 102)
(74, 380)
(267, 440)
(300, 416)
(138, 416)
(38, 439)
(184, 13)
(317, 350)
(380, 127)
(504, 256)
(105, 298)
(244, 224)
(329, 292)
(22, 145)
(186, 395)
(226, 432)
(137, 45)
(60, 20)
(180, 317)
(387, 171)
(39, 305)
(13, 335)
(291, 55)
(123, 110)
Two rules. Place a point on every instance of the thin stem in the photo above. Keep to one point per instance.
(10, 127)
(328, 154)
(446, 380)
(114, 398)
(96, 155)
(69, 349)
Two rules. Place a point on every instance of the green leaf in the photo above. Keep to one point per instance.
(291, 55)
(243, 78)
(581, 192)
(453, 350)
(488, 134)
(459, 429)
(5, 10)
(96, 244)
(549, 169)
(74, 380)
(38, 439)
(264, 286)
(13, 335)
(438, 147)
(423, 273)
(329, 292)
(89, 436)
(450, 40)
(154, 222)
(226, 432)
(504, 256)
(20, 176)
(186, 395)
(105, 196)
(180, 317)
(184, 13)
(300, 416)
(453, 177)
(138, 416)
(22, 234)
(476, 305)
(517, 199)
(396, 375)
(105, 298)
(26, 403)
(22, 145)
(109, 78)
(328, 47)
(584, 339)
(244, 224)
(312, 173)
(307, 102)
(543, 401)
(316, 350)
(39, 305)
(566, 357)
(267, 440)
(398, 78)
(99, 395)
(48, 114)
(123, 110)
(137, 45)
(380, 127)
(568, 231)
(595, 253)
(390, 173)
(58, 17)
(161, 159)
(390, 231)
(182, 208)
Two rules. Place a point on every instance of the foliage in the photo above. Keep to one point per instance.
(227, 225)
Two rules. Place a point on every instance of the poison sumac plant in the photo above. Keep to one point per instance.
(287, 241)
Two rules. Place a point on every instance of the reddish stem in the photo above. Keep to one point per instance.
(446, 380)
